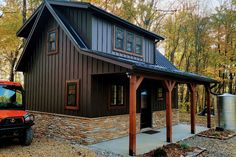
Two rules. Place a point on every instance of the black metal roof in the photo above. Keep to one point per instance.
(75, 35)
(161, 60)
(168, 69)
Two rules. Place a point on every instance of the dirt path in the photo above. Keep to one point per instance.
(44, 147)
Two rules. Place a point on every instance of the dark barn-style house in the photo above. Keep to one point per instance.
(92, 76)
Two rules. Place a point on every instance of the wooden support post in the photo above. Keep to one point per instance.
(169, 85)
(192, 87)
(132, 115)
(208, 103)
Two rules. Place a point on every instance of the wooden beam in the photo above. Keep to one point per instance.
(132, 115)
(192, 87)
(169, 85)
(208, 103)
(139, 81)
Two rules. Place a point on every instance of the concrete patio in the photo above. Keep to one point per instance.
(147, 142)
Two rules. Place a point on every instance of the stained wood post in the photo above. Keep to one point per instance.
(132, 115)
(208, 103)
(169, 85)
(192, 87)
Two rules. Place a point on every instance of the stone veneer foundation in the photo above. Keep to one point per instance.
(90, 130)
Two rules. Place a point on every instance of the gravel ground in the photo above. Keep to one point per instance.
(44, 147)
(215, 147)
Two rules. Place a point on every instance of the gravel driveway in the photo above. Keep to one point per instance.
(44, 147)
(215, 147)
(48, 147)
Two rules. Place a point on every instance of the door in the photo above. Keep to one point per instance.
(146, 113)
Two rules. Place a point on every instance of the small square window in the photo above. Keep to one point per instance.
(72, 95)
(52, 41)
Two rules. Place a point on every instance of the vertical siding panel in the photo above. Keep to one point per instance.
(55, 81)
(84, 84)
(89, 69)
(109, 38)
(80, 20)
(68, 64)
(37, 75)
(39, 71)
(81, 83)
(99, 35)
(105, 67)
(45, 72)
(72, 63)
(94, 66)
(104, 37)
(60, 71)
(64, 72)
(95, 33)
(33, 80)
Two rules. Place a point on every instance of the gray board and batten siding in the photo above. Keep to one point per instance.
(98, 33)
(45, 75)
(103, 38)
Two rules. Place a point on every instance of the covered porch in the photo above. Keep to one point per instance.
(169, 81)
(147, 142)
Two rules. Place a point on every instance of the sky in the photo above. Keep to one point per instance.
(211, 4)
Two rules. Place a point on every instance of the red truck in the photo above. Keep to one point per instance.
(15, 122)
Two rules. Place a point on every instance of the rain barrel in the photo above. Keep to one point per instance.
(226, 106)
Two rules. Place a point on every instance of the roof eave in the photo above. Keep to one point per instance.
(178, 77)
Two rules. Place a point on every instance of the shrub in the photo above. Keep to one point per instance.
(159, 153)
(184, 146)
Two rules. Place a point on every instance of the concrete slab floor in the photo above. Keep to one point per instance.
(147, 142)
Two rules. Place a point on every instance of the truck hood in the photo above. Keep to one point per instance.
(12, 113)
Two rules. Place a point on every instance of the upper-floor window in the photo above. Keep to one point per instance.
(127, 42)
(52, 41)
(120, 35)
(72, 95)
(138, 44)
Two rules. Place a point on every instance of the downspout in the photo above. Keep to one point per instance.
(213, 93)
(154, 58)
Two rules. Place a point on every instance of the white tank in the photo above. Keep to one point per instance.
(226, 106)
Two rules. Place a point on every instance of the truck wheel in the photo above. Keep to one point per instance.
(27, 137)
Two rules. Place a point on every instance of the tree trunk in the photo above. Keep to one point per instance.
(24, 10)
(12, 64)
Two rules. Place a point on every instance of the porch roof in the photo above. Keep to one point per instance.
(162, 66)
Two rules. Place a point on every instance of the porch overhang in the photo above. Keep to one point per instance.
(169, 80)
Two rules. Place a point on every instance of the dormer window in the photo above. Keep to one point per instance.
(52, 41)
(119, 39)
(138, 45)
(127, 42)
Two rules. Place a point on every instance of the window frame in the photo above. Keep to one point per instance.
(124, 51)
(117, 106)
(76, 107)
(126, 41)
(136, 44)
(157, 94)
(53, 30)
